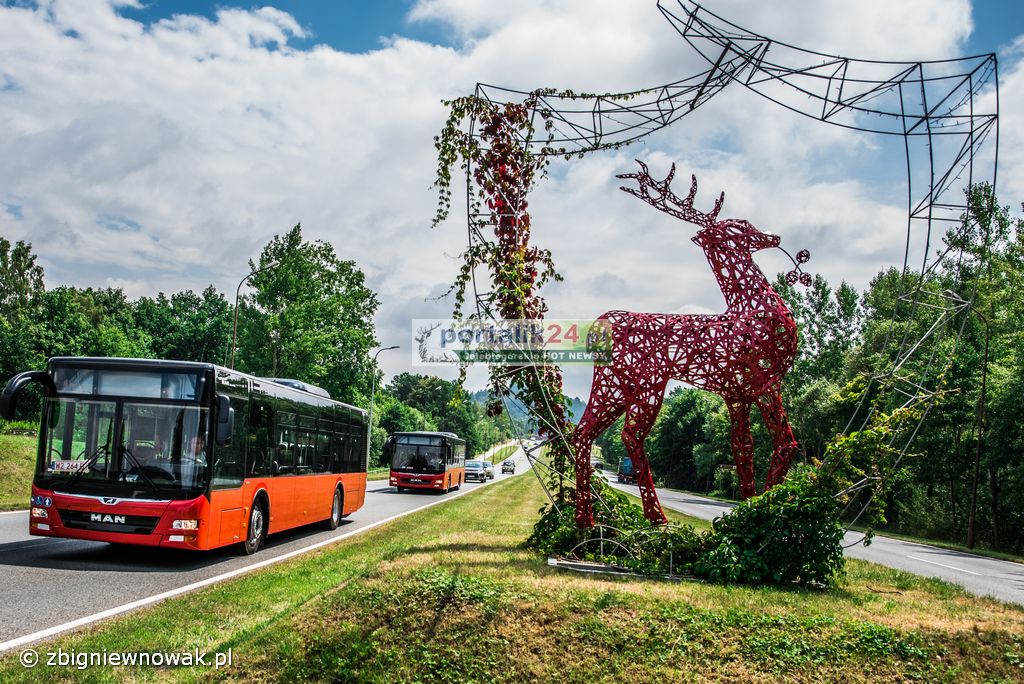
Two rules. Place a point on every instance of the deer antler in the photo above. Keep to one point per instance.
(659, 196)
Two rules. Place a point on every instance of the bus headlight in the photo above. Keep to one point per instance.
(185, 525)
(39, 513)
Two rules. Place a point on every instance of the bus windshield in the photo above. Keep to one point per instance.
(418, 458)
(97, 445)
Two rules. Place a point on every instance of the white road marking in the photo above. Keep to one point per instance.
(942, 565)
(25, 511)
(111, 612)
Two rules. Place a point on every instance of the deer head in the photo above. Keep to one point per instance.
(732, 234)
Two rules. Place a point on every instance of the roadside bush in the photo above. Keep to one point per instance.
(789, 534)
(16, 426)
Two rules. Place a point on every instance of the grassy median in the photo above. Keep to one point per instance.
(17, 463)
(450, 595)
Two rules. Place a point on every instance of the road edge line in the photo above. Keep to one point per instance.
(188, 588)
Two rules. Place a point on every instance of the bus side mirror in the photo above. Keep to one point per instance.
(9, 397)
(225, 420)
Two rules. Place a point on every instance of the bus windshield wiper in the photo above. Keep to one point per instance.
(86, 466)
(138, 466)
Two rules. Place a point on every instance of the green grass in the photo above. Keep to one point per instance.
(17, 463)
(378, 474)
(504, 452)
(450, 595)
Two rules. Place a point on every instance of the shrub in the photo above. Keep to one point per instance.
(791, 533)
(9, 427)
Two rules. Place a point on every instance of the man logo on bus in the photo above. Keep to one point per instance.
(107, 518)
(109, 500)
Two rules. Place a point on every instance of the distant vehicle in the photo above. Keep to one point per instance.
(489, 468)
(187, 455)
(475, 470)
(508, 466)
(426, 460)
(626, 473)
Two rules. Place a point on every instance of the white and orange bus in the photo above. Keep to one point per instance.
(187, 455)
(426, 460)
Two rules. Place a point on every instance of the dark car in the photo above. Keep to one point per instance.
(508, 466)
(475, 470)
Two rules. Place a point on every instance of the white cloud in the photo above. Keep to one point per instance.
(212, 135)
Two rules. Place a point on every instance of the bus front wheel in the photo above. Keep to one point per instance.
(256, 533)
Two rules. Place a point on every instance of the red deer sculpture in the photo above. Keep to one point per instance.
(742, 354)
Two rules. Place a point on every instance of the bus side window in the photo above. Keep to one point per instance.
(339, 442)
(305, 445)
(284, 444)
(359, 457)
(259, 451)
(323, 452)
(229, 461)
(324, 437)
(351, 444)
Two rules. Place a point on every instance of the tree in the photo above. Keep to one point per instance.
(21, 280)
(445, 401)
(186, 325)
(677, 434)
(310, 317)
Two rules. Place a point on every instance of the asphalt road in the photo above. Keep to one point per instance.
(979, 575)
(48, 582)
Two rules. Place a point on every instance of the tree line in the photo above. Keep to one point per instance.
(307, 314)
(962, 479)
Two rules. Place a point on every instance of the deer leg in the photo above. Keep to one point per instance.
(639, 421)
(606, 403)
(783, 443)
(742, 446)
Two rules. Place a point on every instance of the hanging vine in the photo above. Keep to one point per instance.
(501, 170)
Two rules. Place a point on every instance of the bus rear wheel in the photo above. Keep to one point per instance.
(256, 532)
(335, 519)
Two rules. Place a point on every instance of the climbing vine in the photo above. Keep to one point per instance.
(501, 169)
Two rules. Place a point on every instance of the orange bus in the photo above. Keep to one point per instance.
(187, 455)
(426, 460)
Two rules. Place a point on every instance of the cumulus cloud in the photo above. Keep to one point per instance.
(163, 156)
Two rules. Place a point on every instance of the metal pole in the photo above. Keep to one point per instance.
(238, 292)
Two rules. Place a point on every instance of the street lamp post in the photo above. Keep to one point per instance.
(238, 292)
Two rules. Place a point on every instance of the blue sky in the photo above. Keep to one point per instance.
(348, 25)
(162, 155)
(361, 25)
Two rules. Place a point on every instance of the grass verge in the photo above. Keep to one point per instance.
(378, 474)
(450, 595)
(17, 463)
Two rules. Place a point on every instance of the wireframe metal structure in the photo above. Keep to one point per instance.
(742, 354)
(945, 113)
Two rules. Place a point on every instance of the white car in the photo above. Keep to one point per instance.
(475, 470)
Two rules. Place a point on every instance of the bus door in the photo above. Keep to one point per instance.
(227, 498)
